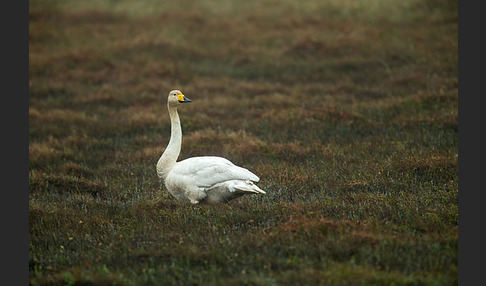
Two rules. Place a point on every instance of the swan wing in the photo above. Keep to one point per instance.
(207, 171)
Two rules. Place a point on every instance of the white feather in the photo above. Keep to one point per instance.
(210, 178)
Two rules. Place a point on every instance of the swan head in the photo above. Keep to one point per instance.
(176, 97)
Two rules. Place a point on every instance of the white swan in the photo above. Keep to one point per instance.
(197, 179)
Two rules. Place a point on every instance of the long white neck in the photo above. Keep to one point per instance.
(171, 153)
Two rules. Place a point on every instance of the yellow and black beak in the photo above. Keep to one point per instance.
(182, 98)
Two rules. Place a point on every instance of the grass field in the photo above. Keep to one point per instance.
(346, 110)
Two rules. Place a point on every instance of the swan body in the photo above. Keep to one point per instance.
(205, 178)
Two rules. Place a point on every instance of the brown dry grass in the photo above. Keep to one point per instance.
(346, 110)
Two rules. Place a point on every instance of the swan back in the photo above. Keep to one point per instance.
(207, 171)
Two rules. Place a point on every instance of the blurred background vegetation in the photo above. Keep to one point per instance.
(346, 110)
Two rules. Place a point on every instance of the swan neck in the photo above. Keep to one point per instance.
(173, 149)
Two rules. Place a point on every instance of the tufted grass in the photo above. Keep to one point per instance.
(346, 110)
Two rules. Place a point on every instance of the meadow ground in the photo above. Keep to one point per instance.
(347, 110)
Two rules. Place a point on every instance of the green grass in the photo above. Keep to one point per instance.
(346, 110)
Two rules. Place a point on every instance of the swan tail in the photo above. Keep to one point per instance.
(249, 187)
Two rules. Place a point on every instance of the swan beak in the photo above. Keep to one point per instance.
(182, 98)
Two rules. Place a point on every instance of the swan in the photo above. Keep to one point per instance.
(197, 179)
